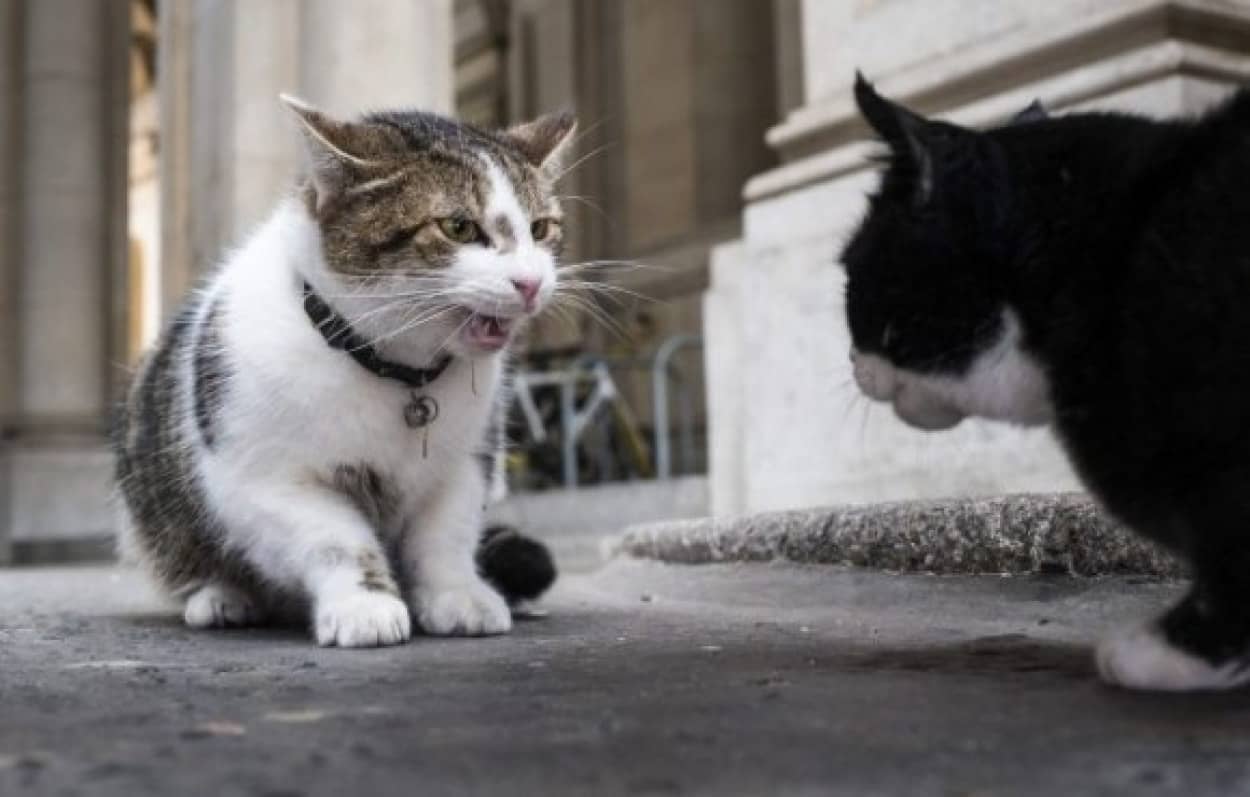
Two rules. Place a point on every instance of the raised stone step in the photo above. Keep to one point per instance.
(1044, 533)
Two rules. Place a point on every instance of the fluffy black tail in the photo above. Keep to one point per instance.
(520, 567)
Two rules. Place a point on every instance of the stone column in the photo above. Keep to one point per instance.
(69, 257)
(774, 311)
(228, 148)
(371, 54)
(788, 34)
(10, 69)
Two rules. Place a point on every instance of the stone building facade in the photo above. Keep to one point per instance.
(722, 153)
(786, 429)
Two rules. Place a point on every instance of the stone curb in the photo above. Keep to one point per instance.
(1044, 533)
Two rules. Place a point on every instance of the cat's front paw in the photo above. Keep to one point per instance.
(362, 620)
(220, 606)
(1144, 659)
(467, 610)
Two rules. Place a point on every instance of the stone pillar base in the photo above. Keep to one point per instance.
(56, 501)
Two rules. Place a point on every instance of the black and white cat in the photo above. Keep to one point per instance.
(314, 428)
(1090, 272)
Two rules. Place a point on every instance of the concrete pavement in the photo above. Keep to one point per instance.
(646, 679)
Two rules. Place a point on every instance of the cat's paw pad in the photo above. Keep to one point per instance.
(362, 620)
(1144, 659)
(219, 606)
(471, 610)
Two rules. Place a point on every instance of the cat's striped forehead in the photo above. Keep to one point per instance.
(422, 168)
(412, 133)
(439, 155)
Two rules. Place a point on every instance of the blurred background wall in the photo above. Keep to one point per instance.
(721, 164)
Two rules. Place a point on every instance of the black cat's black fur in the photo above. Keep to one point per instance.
(1122, 246)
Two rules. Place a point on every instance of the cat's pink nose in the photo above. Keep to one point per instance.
(528, 290)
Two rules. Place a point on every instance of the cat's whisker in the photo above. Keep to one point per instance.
(594, 153)
(585, 130)
(865, 417)
(847, 406)
(614, 292)
(846, 382)
(610, 267)
(417, 314)
(410, 288)
(585, 202)
(564, 316)
(392, 295)
(382, 309)
(411, 324)
(443, 346)
(401, 299)
(596, 313)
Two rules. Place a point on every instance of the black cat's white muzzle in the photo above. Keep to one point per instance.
(913, 403)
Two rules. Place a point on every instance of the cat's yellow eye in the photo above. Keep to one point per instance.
(459, 229)
(542, 229)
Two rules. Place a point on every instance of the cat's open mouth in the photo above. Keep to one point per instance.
(488, 332)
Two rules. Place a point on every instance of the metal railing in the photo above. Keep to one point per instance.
(579, 410)
(575, 419)
(661, 375)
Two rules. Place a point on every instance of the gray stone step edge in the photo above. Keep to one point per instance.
(1039, 533)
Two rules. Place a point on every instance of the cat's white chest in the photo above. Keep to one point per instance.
(418, 434)
(414, 437)
(304, 407)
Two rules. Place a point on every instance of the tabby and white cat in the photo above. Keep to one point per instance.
(1089, 272)
(316, 427)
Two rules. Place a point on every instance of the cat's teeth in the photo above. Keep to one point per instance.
(488, 332)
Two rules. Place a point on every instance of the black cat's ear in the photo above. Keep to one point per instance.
(909, 135)
(1036, 112)
(894, 123)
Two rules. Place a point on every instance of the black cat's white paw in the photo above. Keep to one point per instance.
(1143, 659)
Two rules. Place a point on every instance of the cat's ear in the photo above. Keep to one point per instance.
(927, 146)
(899, 127)
(333, 148)
(546, 141)
(1036, 112)
(909, 135)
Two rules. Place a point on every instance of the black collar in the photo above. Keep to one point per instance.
(340, 335)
